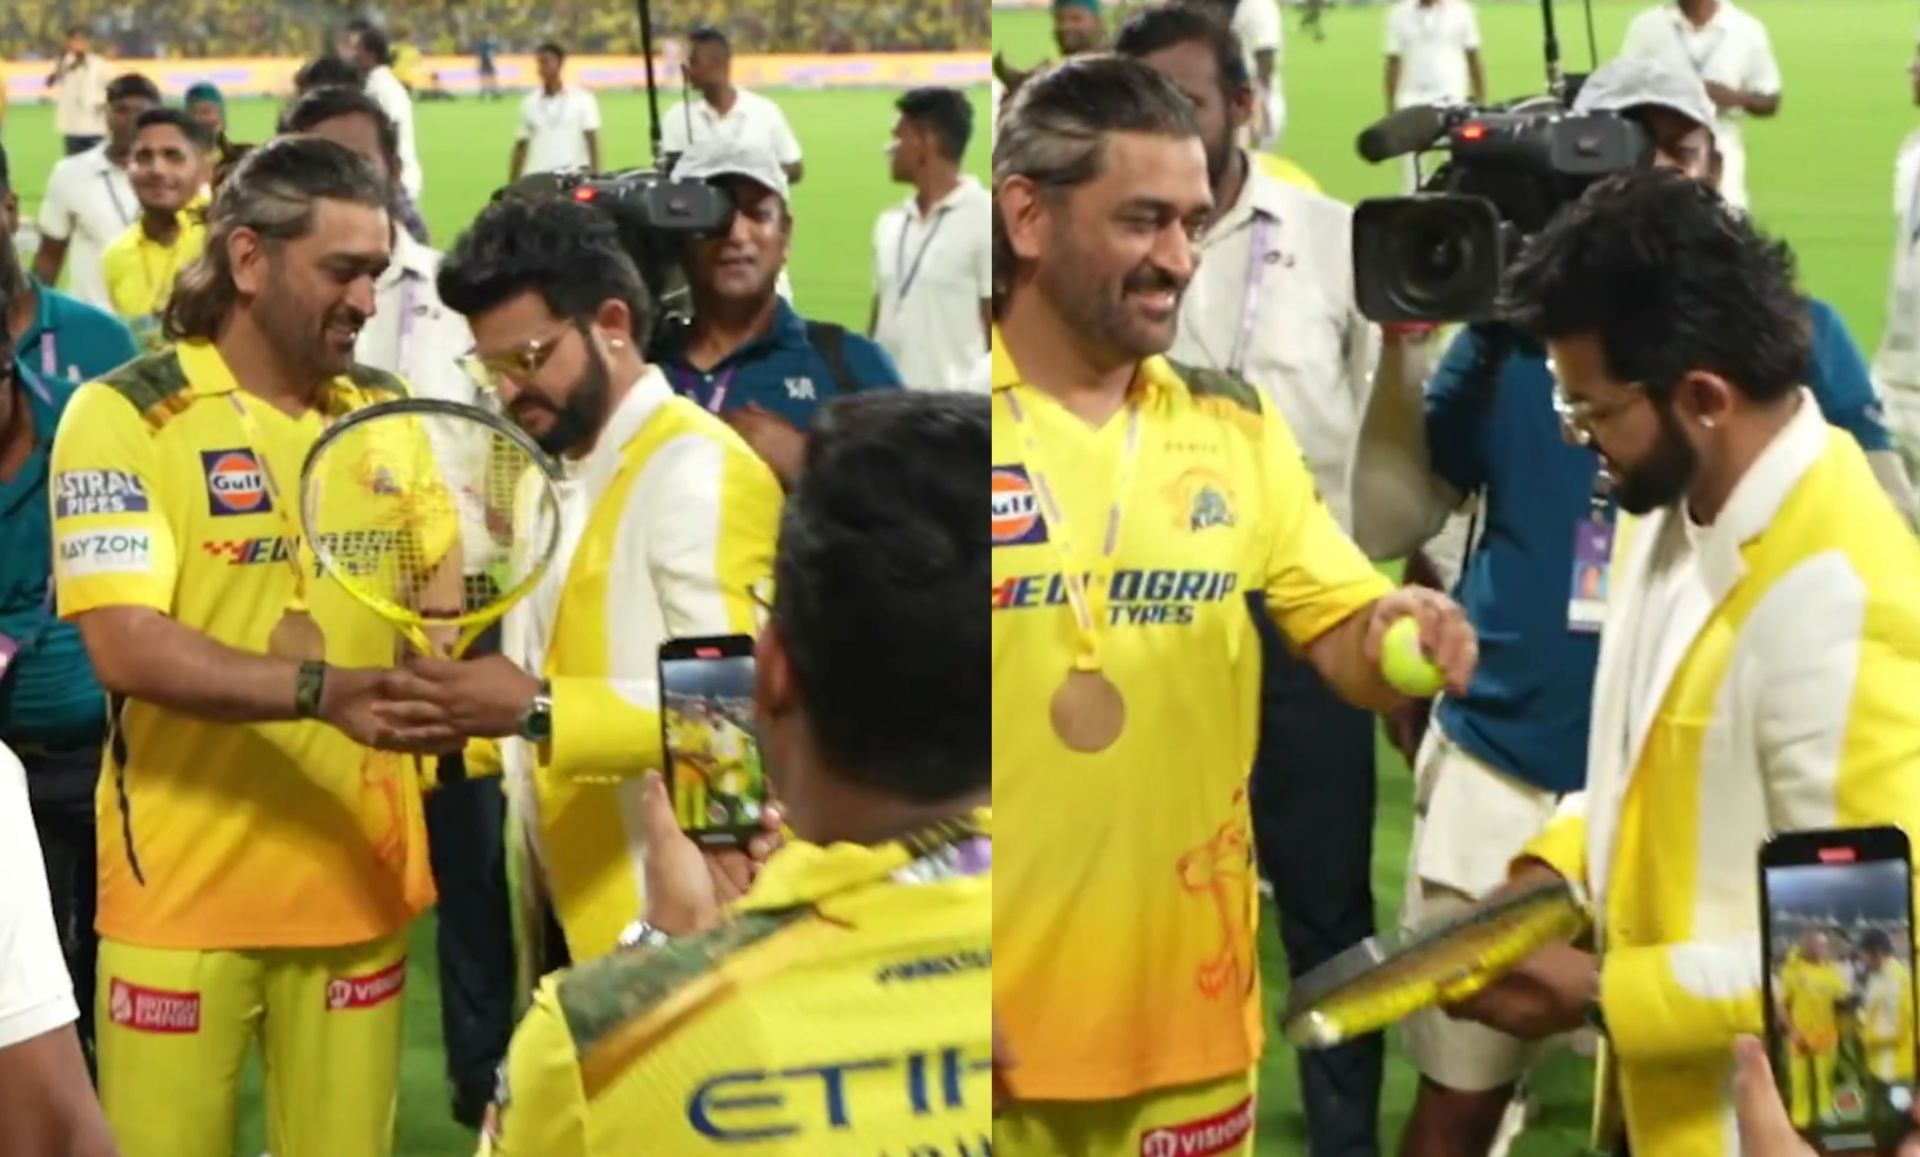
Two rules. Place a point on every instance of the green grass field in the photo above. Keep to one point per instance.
(1820, 176)
(464, 147)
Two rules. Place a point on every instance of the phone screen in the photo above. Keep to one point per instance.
(1840, 995)
(716, 773)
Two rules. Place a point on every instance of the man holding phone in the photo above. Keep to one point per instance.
(668, 521)
(1761, 643)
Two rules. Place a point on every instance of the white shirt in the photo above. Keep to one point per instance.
(36, 995)
(753, 120)
(1673, 585)
(386, 90)
(89, 202)
(931, 271)
(80, 99)
(663, 562)
(412, 333)
(1432, 42)
(555, 128)
(1308, 348)
(1259, 26)
(1733, 49)
(1897, 365)
(980, 377)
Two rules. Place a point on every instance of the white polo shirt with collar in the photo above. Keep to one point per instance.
(393, 98)
(36, 995)
(555, 127)
(1733, 49)
(931, 271)
(1432, 42)
(1273, 303)
(753, 120)
(89, 202)
(412, 333)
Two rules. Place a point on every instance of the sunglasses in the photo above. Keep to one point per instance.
(521, 364)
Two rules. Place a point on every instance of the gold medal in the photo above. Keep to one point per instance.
(1087, 711)
(297, 636)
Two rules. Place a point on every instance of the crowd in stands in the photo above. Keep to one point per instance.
(35, 29)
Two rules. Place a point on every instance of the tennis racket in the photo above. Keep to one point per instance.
(1393, 975)
(438, 516)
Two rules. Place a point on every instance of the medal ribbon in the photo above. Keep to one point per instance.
(1089, 589)
(289, 521)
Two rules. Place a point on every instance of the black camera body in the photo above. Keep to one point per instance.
(1438, 255)
(654, 213)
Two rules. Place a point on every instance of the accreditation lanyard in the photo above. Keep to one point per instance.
(909, 272)
(1263, 226)
(717, 397)
(409, 294)
(49, 360)
(1089, 587)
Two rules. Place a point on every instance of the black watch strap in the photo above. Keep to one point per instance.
(308, 684)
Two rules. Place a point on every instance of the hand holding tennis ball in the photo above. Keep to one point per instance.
(1405, 665)
(1422, 643)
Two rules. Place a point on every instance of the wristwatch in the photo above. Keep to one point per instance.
(309, 682)
(536, 725)
(641, 934)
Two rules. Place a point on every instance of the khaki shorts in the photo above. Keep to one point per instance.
(1470, 823)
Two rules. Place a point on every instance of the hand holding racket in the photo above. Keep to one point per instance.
(435, 515)
(1391, 976)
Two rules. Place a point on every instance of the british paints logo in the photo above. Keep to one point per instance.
(153, 1009)
(1016, 508)
(367, 991)
(235, 484)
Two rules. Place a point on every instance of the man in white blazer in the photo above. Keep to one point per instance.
(1759, 658)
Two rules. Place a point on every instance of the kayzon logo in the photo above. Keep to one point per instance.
(235, 484)
(1016, 508)
(109, 551)
(77, 493)
(152, 1009)
(1201, 500)
(1221, 1133)
(1136, 598)
(367, 991)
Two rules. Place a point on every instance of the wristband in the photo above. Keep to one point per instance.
(308, 684)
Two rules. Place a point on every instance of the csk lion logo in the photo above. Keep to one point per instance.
(1220, 871)
(1201, 499)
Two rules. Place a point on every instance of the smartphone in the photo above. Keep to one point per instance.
(1837, 921)
(715, 771)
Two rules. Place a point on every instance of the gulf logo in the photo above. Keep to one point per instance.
(234, 483)
(1016, 509)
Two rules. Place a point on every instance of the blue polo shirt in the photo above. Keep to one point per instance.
(1526, 712)
(781, 371)
(77, 342)
(50, 697)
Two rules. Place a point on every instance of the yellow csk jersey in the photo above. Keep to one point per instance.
(1886, 1021)
(140, 272)
(221, 835)
(1812, 993)
(1124, 923)
(843, 1007)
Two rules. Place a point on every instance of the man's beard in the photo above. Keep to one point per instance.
(1220, 155)
(578, 421)
(1082, 301)
(1664, 476)
(300, 340)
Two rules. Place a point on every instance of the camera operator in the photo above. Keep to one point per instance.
(1272, 304)
(746, 355)
(1496, 761)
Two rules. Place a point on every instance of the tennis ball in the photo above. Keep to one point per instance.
(1406, 666)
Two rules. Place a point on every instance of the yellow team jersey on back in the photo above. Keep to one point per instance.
(140, 272)
(844, 1007)
(220, 835)
(1124, 929)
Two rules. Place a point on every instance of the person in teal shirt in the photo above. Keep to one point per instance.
(53, 713)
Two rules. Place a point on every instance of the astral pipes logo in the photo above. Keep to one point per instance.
(1204, 1138)
(367, 991)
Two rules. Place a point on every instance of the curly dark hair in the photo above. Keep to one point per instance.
(1164, 26)
(1671, 281)
(881, 548)
(566, 252)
